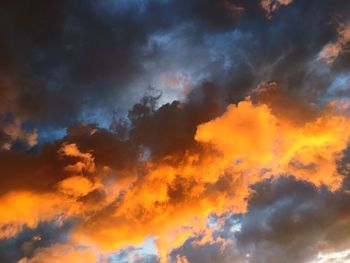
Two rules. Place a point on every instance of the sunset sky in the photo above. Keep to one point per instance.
(175, 131)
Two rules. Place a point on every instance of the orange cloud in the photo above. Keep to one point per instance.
(171, 200)
(261, 145)
(243, 146)
(26, 208)
(85, 163)
(76, 186)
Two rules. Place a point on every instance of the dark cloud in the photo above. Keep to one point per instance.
(42, 170)
(170, 129)
(295, 220)
(24, 244)
(70, 60)
(69, 56)
(287, 221)
(206, 253)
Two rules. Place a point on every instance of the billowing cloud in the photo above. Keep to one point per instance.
(288, 220)
(170, 198)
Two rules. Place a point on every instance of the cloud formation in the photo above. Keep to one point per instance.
(331, 51)
(271, 6)
(174, 131)
(170, 198)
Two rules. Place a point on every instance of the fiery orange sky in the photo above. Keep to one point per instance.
(175, 131)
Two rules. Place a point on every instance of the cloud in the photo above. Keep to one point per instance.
(271, 6)
(202, 167)
(48, 61)
(288, 220)
(28, 209)
(63, 252)
(294, 235)
(262, 145)
(331, 51)
(27, 241)
(12, 131)
(54, 77)
(170, 195)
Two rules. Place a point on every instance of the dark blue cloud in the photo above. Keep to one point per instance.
(75, 61)
(25, 243)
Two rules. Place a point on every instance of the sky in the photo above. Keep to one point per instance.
(175, 131)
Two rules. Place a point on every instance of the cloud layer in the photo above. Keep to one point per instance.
(174, 131)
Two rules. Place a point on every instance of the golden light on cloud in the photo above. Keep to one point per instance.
(262, 145)
(174, 131)
(171, 201)
(245, 145)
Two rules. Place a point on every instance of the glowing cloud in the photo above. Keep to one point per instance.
(243, 146)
